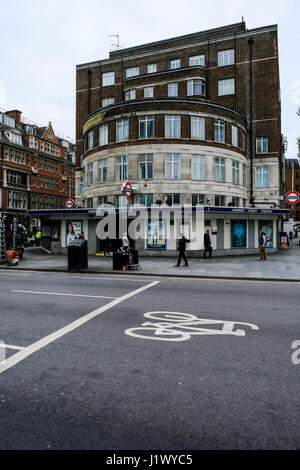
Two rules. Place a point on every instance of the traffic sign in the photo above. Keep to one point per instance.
(292, 197)
(128, 189)
(69, 203)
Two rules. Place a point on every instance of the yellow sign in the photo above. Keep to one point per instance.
(93, 121)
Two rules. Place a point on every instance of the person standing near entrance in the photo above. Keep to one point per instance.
(181, 248)
(207, 245)
(125, 243)
(262, 246)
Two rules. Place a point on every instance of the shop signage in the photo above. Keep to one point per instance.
(93, 121)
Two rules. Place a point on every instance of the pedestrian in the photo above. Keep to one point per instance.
(125, 243)
(262, 246)
(207, 245)
(291, 235)
(181, 248)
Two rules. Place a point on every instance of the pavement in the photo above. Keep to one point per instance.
(283, 265)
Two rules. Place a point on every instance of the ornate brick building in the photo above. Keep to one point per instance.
(37, 167)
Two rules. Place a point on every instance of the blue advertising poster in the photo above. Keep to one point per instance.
(156, 236)
(267, 227)
(238, 234)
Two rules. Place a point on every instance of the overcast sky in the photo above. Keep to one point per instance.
(43, 40)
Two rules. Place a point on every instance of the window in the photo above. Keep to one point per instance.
(196, 87)
(219, 169)
(146, 200)
(226, 57)
(197, 60)
(235, 172)
(107, 102)
(172, 199)
(122, 130)
(173, 89)
(90, 174)
(121, 168)
(235, 136)
(103, 134)
(89, 202)
(219, 131)
(90, 138)
(132, 72)
(172, 166)
(15, 138)
(172, 126)
(129, 95)
(148, 92)
(220, 201)
(102, 170)
(235, 201)
(108, 78)
(244, 174)
(197, 127)
(102, 200)
(175, 64)
(198, 167)
(145, 167)
(146, 127)
(262, 145)
(244, 141)
(226, 87)
(262, 177)
(151, 68)
(81, 185)
(198, 199)
(121, 201)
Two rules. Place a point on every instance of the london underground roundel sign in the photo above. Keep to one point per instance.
(69, 203)
(128, 189)
(292, 197)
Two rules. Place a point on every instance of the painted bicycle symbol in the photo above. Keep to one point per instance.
(176, 326)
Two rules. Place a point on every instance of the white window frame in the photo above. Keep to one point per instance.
(107, 101)
(90, 171)
(173, 124)
(192, 84)
(173, 89)
(226, 87)
(132, 72)
(226, 57)
(147, 159)
(261, 172)
(198, 127)
(102, 170)
(262, 145)
(175, 64)
(121, 168)
(219, 131)
(130, 95)
(197, 60)
(198, 167)
(220, 169)
(234, 136)
(90, 140)
(235, 172)
(108, 79)
(148, 92)
(122, 130)
(103, 135)
(151, 68)
(172, 163)
(146, 119)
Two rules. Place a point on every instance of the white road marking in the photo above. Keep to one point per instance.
(19, 356)
(60, 293)
(14, 274)
(9, 346)
(110, 278)
(177, 326)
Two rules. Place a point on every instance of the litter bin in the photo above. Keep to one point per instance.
(77, 255)
(120, 260)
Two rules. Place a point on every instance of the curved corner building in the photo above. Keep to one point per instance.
(188, 120)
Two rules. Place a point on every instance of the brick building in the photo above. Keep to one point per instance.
(37, 167)
(191, 120)
(292, 183)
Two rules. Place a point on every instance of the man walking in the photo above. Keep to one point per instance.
(207, 245)
(181, 248)
(262, 246)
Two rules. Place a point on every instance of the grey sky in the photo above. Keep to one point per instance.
(43, 40)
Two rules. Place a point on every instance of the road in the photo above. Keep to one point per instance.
(88, 366)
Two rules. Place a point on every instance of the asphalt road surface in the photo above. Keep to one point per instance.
(126, 362)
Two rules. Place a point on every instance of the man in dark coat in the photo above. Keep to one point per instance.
(207, 245)
(181, 248)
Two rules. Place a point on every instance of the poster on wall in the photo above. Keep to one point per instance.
(73, 228)
(238, 234)
(267, 227)
(156, 236)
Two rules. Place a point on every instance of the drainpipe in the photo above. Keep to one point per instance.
(89, 90)
(250, 42)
